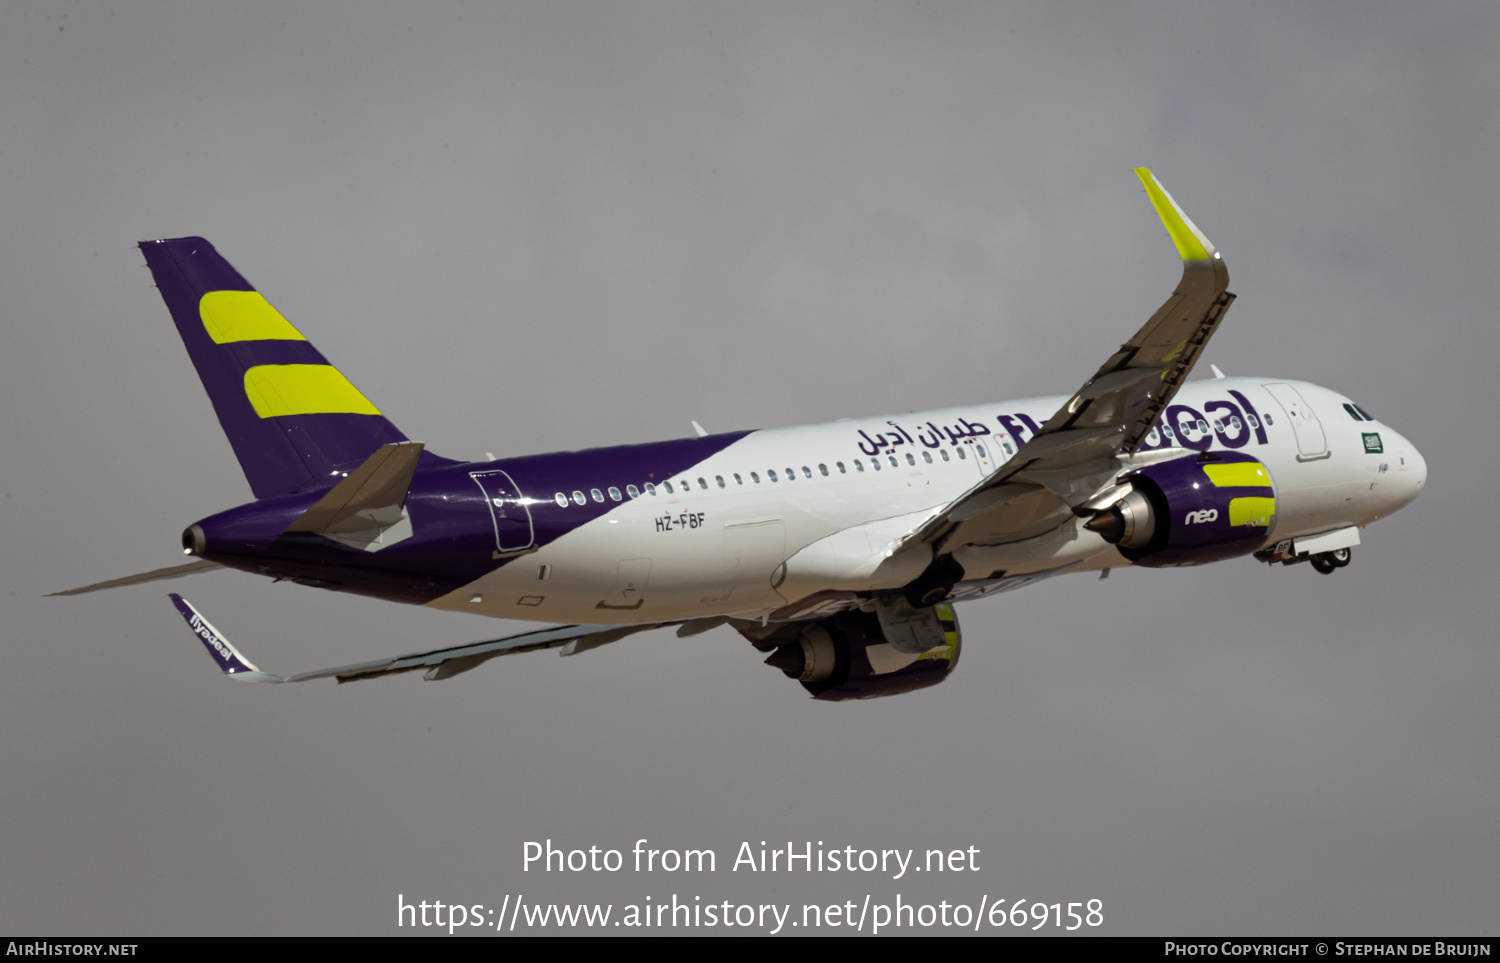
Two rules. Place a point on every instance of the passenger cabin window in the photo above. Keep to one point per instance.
(875, 463)
(1253, 422)
(911, 459)
(668, 487)
(737, 479)
(961, 455)
(927, 457)
(1268, 419)
(614, 494)
(598, 495)
(578, 498)
(823, 469)
(1168, 432)
(944, 453)
(719, 479)
(894, 462)
(791, 474)
(842, 469)
(704, 484)
(1008, 449)
(980, 449)
(806, 472)
(859, 465)
(561, 499)
(755, 478)
(632, 491)
(771, 474)
(650, 489)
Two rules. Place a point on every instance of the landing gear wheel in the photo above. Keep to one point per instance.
(1323, 564)
(1339, 557)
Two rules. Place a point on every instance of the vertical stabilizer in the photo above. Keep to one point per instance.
(293, 419)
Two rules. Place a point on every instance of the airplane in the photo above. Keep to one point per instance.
(836, 549)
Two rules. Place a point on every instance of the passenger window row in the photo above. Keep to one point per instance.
(1220, 426)
(685, 485)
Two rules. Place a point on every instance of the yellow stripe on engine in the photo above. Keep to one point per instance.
(1251, 511)
(303, 389)
(1249, 474)
(231, 316)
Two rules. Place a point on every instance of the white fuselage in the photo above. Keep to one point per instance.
(782, 514)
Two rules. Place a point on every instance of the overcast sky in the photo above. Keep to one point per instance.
(531, 227)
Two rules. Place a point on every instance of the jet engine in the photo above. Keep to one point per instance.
(864, 654)
(1191, 510)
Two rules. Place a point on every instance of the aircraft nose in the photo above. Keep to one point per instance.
(1410, 471)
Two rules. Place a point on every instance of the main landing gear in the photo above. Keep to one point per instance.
(1325, 562)
(933, 585)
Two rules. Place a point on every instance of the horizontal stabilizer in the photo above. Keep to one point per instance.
(438, 663)
(370, 497)
(175, 571)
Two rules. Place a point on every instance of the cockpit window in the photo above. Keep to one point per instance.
(1368, 416)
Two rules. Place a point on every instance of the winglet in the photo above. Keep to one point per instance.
(235, 666)
(1191, 244)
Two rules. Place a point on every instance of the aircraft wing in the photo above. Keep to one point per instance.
(1073, 458)
(173, 571)
(437, 663)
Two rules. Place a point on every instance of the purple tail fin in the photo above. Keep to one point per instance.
(294, 421)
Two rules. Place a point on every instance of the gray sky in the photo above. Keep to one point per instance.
(530, 227)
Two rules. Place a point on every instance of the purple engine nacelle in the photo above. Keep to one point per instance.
(1191, 510)
(849, 656)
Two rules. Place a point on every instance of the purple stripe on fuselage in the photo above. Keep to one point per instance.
(453, 535)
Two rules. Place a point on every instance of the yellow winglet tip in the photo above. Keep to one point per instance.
(1191, 243)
